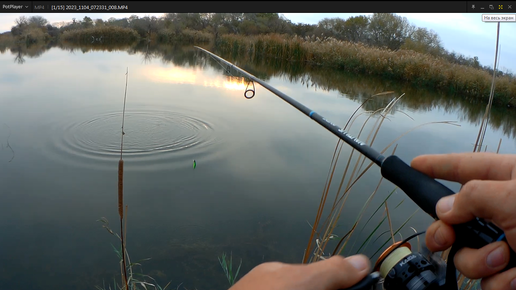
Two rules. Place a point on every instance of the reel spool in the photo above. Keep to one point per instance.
(404, 270)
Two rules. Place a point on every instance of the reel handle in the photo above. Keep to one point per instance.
(426, 192)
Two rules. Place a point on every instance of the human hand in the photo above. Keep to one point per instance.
(489, 192)
(334, 273)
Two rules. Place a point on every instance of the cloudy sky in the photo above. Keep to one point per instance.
(462, 33)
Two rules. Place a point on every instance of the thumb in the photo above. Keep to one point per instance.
(340, 272)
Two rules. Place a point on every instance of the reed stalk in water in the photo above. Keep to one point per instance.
(126, 266)
(121, 191)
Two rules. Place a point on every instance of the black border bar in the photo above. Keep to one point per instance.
(255, 6)
(237, 6)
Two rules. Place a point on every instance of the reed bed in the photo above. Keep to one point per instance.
(105, 34)
(184, 36)
(420, 70)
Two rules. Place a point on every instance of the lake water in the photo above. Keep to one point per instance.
(261, 164)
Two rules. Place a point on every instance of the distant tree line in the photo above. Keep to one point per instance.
(385, 30)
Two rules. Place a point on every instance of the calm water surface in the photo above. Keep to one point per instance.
(261, 164)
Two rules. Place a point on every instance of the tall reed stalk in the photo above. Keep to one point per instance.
(485, 119)
(129, 279)
(121, 192)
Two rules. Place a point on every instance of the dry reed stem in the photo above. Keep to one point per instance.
(333, 166)
(321, 205)
(485, 119)
(369, 199)
(125, 226)
(390, 223)
(121, 188)
(331, 223)
(335, 215)
(121, 192)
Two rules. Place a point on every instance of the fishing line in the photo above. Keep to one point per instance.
(123, 113)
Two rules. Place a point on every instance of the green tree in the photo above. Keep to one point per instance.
(38, 21)
(424, 41)
(118, 22)
(33, 28)
(87, 22)
(332, 27)
(355, 29)
(302, 29)
(389, 30)
(21, 23)
(271, 22)
(231, 21)
(99, 22)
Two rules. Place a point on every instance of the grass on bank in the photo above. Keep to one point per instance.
(227, 266)
(421, 70)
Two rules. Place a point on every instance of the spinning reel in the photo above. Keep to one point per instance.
(399, 268)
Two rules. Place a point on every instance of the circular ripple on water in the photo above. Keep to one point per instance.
(148, 135)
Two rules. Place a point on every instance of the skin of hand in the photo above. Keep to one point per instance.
(489, 192)
(334, 273)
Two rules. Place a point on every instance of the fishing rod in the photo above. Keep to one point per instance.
(421, 188)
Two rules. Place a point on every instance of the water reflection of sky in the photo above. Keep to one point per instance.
(180, 75)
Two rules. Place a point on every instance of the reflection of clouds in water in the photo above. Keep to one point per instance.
(103, 68)
(182, 75)
(10, 78)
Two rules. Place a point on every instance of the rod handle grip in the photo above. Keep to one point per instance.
(421, 188)
(426, 192)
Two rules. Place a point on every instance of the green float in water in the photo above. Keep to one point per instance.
(194, 164)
